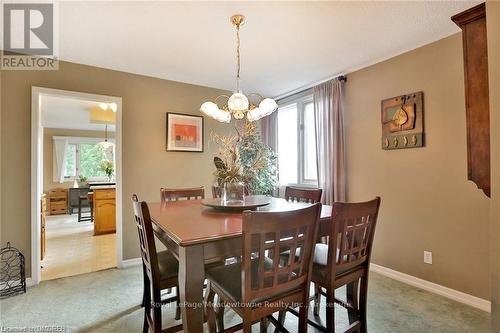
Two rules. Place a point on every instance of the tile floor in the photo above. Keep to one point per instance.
(72, 248)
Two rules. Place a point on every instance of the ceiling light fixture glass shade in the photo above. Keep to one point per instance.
(212, 110)
(238, 104)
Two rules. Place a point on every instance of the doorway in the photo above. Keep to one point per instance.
(76, 183)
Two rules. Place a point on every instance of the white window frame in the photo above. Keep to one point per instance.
(73, 140)
(300, 103)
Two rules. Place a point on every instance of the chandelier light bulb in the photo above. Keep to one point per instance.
(238, 102)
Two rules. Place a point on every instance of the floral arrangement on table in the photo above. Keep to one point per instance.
(108, 168)
(244, 158)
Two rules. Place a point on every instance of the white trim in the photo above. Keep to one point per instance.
(453, 294)
(36, 169)
(80, 140)
(130, 263)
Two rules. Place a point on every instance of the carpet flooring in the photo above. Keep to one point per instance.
(108, 301)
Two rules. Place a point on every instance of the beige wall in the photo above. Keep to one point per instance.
(427, 202)
(146, 164)
(48, 151)
(493, 24)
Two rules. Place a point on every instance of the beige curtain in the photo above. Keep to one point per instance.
(269, 130)
(60, 150)
(330, 143)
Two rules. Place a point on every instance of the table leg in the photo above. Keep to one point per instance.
(191, 277)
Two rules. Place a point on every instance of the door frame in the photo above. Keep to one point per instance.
(36, 169)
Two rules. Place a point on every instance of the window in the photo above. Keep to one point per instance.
(297, 143)
(84, 159)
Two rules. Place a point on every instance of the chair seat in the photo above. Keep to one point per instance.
(168, 265)
(228, 278)
(320, 262)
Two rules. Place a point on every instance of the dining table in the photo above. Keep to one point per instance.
(196, 235)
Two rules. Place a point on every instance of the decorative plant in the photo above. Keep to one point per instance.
(82, 179)
(245, 158)
(107, 167)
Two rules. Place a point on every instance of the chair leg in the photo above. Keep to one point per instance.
(146, 287)
(303, 318)
(156, 306)
(209, 309)
(363, 295)
(263, 325)
(281, 320)
(147, 304)
(147, 309)
(247, 327)
(330, 310)
(317, 299)
(221, 307)
(352, 299)
(177, 309)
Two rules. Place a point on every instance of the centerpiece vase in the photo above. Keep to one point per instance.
(233, 193)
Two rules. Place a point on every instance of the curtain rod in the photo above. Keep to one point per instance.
(341, 77)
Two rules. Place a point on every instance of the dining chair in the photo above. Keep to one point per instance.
(160, 270)
(345, 261)
(86, 200)
(300, 194)
(261, 285)
(174, 194)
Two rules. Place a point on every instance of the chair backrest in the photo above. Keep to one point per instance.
(217, 191)
(352, 235)
(174, 194)
(269, 234)
(146, 240)
(310, 195)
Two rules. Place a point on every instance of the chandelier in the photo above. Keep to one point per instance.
(254, 106)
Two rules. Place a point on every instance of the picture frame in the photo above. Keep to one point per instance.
(184, 133)
(403, 121)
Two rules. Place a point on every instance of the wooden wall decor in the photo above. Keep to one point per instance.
(403, 121)
(473, 25)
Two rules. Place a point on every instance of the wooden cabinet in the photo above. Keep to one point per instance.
(58, 199)
(43, 214)
(104, 211)
(473, 25)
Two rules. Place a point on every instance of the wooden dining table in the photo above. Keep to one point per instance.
(196, 235)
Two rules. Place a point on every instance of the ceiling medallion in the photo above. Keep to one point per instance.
(254, 106)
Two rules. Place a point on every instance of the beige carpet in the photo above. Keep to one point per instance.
(108, 301)
(72, 248)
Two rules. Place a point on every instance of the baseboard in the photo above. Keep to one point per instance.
(130, 263)
(453, 294)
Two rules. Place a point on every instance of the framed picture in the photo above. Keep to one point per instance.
(184, 132)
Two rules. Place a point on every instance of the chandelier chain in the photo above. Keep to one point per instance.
(238, 57)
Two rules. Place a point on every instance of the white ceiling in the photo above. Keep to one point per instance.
(285, 45)
(69, 113)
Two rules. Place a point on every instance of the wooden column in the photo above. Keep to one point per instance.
(473, 25)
